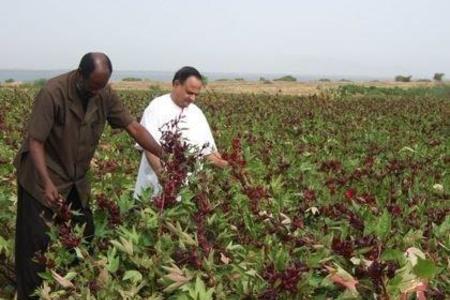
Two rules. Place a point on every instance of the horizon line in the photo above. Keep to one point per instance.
(228, 72)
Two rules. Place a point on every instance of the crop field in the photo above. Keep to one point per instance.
(337, 195)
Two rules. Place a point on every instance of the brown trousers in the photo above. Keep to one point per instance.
(31, 237)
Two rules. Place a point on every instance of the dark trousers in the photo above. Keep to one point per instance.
(31, 237)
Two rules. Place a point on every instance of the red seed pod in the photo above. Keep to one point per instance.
(94, 286)
(309, 195)
(394, 209)
(203, 203)
(356, 222)
(342, 247)
(44, 261)
(391, 269)
(113, 211)
(350, 194)
(67, 237)
(297, 223)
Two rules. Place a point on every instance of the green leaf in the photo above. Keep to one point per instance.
(5, 246)
(132, 275)
(201, 291)
(250, 225)
(70, 275)
(370, 223)
(124, 245)
(251, 273)
(443, 229)
(306, 166)
(78, 252)
(276, 184)
(393, 254)
(113, 261)
(199, 284)
(383, 227)
(425, 268)
(281, 259)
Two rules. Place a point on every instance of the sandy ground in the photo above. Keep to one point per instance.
(287, 88)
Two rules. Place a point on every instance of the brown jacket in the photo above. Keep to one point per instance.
(70, 136)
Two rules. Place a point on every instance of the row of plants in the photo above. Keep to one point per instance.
(339, 195)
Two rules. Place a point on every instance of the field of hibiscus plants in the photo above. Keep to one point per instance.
(341, 195)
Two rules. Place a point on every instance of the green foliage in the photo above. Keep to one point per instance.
(425, 268)
(438, 76)
(264, 80)
(9, 80)
(286, 78)
(205, 80)
(350, 90)
(401, 78)
(40, 82)
(131, 79)
(359, 176)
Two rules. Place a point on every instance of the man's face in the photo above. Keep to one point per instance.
(185, 93)
(90, 87)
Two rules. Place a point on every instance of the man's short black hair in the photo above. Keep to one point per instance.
(87, 64)
(184, 73)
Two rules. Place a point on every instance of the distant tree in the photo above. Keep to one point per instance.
(239, 79)
(438, 76)
(205, 80)
(222, 79)
(286, 78)
(344, 80)
(324, 80)
(132, 79)
(264, 80)
(401, 78)
(40, 82)
(423, 80)
(9, 80)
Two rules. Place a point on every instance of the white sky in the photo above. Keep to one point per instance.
(347, 37)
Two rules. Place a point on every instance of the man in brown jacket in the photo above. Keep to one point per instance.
(67, 119)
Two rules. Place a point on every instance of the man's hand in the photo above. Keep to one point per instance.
(51, 195)
(216, 159)
(144, 138)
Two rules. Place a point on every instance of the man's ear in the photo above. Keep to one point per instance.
(176, 82)
(79, 74)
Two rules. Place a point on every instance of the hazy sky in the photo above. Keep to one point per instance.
(346, 37)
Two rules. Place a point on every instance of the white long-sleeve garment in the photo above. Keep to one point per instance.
(196, 131)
